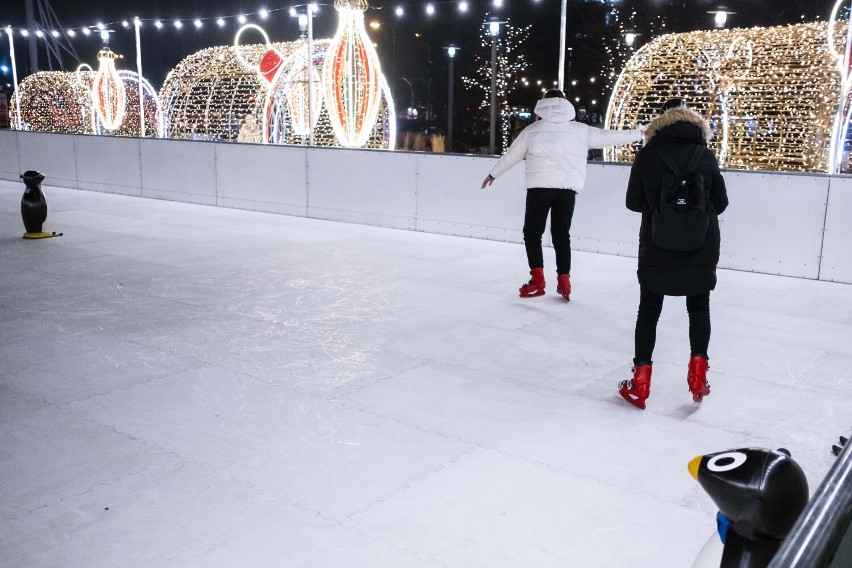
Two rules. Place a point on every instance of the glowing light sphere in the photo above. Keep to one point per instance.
(108, 93)
(769, 94)
(352, 76)
(55, 101)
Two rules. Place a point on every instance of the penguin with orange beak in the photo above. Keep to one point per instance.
(760, 493)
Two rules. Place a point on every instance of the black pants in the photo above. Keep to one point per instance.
(560, 204)
(650, 307)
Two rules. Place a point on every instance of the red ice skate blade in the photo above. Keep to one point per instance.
(637, 402)
(697, 397)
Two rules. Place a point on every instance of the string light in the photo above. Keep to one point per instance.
(768, 93)
(399, 11)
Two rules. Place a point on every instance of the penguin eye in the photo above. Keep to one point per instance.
(726, 461)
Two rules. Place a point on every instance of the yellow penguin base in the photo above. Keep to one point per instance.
(42, 235)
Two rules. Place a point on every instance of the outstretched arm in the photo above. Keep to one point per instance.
(601, 138)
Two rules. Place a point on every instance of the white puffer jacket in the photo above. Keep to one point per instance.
(556, 147)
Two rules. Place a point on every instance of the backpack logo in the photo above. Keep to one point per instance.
(681, 219)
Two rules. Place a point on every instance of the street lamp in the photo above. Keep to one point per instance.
(306, 30)
(451, 51)
(9, 33)
(493, 31)
(721, 16)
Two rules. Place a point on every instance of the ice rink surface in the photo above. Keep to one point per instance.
(188, 386)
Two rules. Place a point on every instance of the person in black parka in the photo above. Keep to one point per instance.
(678, 130)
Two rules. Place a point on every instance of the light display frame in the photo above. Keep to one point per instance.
(770, 94)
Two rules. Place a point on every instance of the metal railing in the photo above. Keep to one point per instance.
(824, 523)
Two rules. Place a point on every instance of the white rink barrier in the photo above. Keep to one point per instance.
(778, 223)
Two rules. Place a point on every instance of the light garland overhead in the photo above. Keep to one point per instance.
(768, 93)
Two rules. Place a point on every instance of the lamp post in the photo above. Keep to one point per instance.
(306, 28)
(563, 24)
(136, 24)
(494, 31)
(451, 51)
(14, 79)
(721, 16)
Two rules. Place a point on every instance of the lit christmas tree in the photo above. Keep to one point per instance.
(511, 63)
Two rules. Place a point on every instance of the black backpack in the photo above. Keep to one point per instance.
(680, 220)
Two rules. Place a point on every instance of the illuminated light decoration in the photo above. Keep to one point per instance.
(54, 33)
(840, 126)
(430, 9)
(220, 22)
(109, 96)
(100, 26)
(209, 93)
(158, 24)
(39, 33)
(71, 33)
(399, 11)
(178, 24)
(264, 13)
(286, 79)
(463, 6)
(54, 101)
(269, 65)
(769, 94)
(25, 33)
(242, 19)
(86, 31)
(125, 23)
(352, 76)
(298, 93)
(198, 24)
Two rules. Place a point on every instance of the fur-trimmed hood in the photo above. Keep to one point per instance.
(679, 123)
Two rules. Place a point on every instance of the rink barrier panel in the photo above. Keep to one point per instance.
(778, 223)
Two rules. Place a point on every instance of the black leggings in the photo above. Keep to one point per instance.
(560, 204)
(650, 307)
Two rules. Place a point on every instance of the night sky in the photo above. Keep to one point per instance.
(416, 65)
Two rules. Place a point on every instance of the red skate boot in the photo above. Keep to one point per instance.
(696, 378)
(535, 287)
(563, 286)
(636, 390)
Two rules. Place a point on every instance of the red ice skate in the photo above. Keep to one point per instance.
(696, 378)
(563, 286)
(535, 287)
(636, 390)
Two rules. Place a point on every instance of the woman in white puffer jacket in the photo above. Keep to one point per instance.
(555, 149)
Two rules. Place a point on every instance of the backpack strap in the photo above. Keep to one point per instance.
(693, 161)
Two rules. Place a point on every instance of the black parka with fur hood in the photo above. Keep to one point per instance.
(668, 272)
